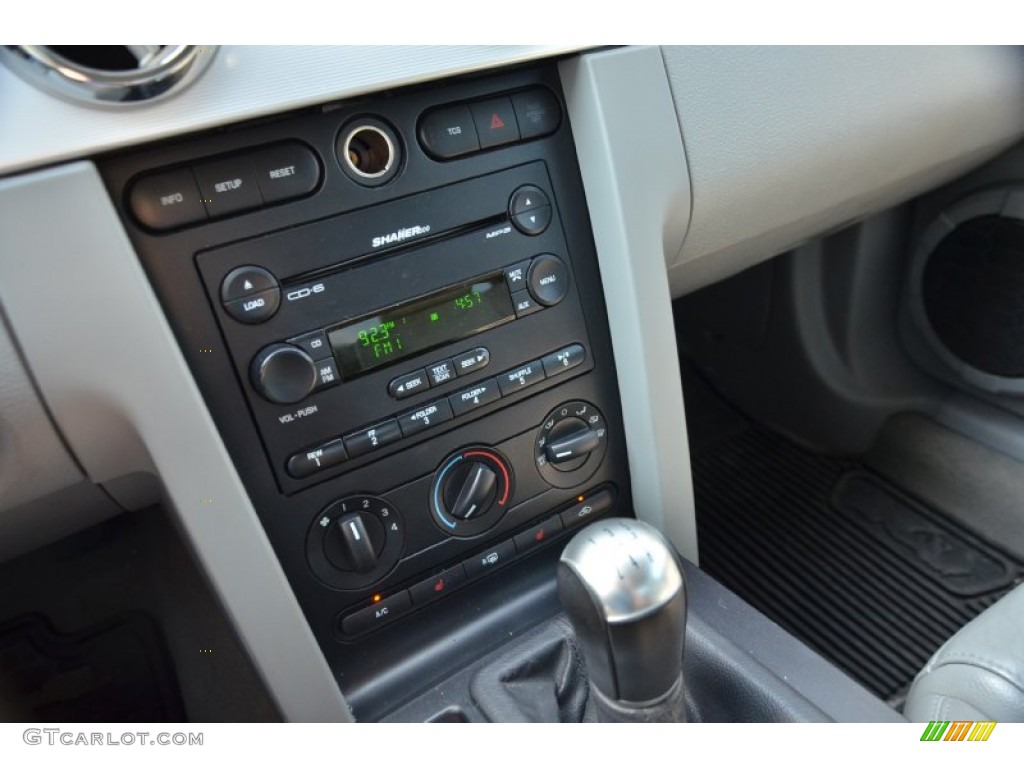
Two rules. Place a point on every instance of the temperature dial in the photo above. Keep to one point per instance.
(571, 444)
(355, 542)
(471, 491)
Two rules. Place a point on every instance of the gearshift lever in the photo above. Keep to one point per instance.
(620, 583)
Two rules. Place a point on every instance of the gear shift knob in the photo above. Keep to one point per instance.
(620, 583)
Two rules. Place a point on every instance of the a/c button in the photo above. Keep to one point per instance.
(376, 615)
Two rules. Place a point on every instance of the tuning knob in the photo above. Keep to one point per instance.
(283, 373)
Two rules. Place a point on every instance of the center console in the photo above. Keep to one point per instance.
(393, 310)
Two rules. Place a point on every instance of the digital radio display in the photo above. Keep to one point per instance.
(417, 326)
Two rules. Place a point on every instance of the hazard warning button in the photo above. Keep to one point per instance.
(495, 122)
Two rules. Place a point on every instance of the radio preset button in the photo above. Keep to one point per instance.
(524, 304)
(409, 384)
(310, 462)
(563, 360)
(522, 377)
(314, 343)
(440, 372)
(475, 397)
(424, 417)
(371, 438)
(548, 279)
(515, 276)
(474, 360)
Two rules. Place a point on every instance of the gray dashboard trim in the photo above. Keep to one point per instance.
(638, 192)
(784, 143)
(111, 372)
(242, 82)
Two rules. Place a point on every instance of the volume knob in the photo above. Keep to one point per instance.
(283, 373)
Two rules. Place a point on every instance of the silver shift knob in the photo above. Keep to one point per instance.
(620, 583)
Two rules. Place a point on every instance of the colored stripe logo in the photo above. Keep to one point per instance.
(958, 730)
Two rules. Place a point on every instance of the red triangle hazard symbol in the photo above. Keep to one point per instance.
(496, 122)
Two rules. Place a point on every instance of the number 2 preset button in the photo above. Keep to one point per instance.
(371, 438)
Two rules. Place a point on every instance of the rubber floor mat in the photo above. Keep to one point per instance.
(861, 572)
(117, 672)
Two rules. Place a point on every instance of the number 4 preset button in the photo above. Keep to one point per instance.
(371, 438)
(475, 397)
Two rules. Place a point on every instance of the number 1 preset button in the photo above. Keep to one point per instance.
(371, 438)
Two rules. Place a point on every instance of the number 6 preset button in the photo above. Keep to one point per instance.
(371, 438)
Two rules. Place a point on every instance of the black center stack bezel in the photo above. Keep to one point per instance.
(434, 222)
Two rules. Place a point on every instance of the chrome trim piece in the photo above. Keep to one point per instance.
(161, 70)
(628, 565)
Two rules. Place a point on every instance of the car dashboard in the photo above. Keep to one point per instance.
(382, 329)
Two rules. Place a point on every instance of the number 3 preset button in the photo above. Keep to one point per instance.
(371, 438)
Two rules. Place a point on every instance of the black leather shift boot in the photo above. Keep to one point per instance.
(540, 680)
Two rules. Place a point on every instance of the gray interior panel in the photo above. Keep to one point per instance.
(33, 459)
(785, 143)
(126, 402)
(638, 193)
(808, 345)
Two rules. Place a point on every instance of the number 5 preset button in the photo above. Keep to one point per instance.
(371, 438)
